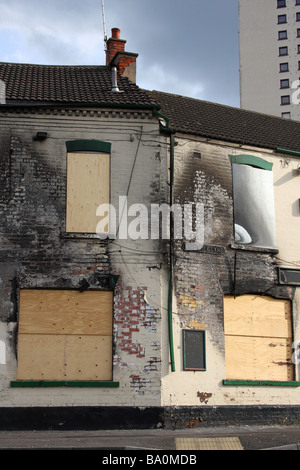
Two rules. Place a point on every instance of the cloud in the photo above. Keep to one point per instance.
(169, 82)
(65, 48)
(189, 48)
(51, 32)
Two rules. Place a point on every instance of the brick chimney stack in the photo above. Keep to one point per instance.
(114, 45)
(116, 55)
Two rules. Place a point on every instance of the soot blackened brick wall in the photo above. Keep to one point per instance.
(203, 175)
(34, 250)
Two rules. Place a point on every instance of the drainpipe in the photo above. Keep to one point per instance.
(166, 128)
(171, 274)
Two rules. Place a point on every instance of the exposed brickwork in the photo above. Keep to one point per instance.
(124, 62)
(132, 314)
(138, 383)
(114, 46)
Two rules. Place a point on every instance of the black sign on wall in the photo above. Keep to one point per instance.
(289, 276)
(194, 350)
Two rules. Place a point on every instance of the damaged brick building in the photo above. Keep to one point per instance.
(236, 297)
(103, 321)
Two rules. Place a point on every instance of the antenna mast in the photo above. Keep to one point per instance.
(104, 26)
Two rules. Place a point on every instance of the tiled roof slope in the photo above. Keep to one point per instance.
(36, 84)
(216, 121)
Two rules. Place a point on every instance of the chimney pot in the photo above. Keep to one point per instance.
(114, 44)
(116, 33)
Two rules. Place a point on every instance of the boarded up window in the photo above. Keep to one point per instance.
(65, 335)
(254, 214)
(258, 338)
(88, 186)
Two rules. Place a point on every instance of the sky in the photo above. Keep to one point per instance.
(186, 47)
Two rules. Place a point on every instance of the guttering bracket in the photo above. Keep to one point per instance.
(165, 118)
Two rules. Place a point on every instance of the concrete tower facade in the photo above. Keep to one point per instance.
(269, 34)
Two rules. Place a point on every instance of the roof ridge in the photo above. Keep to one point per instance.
(53, 65)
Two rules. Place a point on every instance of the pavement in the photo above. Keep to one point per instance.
(156, 441)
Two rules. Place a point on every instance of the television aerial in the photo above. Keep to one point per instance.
(104, 25)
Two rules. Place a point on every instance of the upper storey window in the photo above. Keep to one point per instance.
(253, 196)
(88, 184)
(281, 19)
(282, 35)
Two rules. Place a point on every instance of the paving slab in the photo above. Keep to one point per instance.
(209, 443)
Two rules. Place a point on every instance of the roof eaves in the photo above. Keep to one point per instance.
(59, 104)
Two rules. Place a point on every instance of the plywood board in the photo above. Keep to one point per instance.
(65, 335)
(253, 315)
(40, 357)
(88, 358)
(250, 358)
(57, 357)
(65, 312)
(88, 186)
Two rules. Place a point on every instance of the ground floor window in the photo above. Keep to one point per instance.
(65, 335)
(258, 338)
